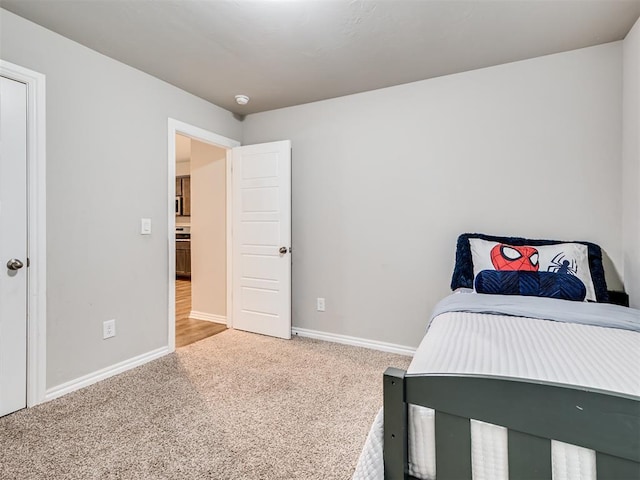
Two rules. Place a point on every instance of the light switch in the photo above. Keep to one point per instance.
(145, 226)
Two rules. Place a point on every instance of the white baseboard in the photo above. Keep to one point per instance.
(208, 317)
(104, 373)
(355, 341)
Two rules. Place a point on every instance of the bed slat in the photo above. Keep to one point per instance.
(594, 420)
(395, 425)
(616, 467)
(529, 457)
(453, 447)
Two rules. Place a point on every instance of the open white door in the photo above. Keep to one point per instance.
(13, 245)
(262, 238)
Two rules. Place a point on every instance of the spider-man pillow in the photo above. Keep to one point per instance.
(478, 252)
(561, 258)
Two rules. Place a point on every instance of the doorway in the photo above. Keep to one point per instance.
(201, 245)
(206, 144)
(258, 212)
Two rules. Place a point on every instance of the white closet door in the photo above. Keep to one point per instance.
(13, 245)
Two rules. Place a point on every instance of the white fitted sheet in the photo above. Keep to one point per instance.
(515, 347)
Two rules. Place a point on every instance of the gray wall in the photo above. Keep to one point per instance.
(384, 181)
(106, 168)
(631, 168)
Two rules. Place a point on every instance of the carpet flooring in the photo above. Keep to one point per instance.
(232, 406)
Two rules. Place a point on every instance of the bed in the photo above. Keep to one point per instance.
(521, 375)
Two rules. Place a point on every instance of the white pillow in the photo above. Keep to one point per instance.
(571, 258)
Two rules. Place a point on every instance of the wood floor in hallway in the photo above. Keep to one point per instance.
(189, 330)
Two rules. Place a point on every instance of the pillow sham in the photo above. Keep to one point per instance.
(463, 273)
(562, 258)
(563, 286)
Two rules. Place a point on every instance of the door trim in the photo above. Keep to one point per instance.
(36, 222)
(205, 136)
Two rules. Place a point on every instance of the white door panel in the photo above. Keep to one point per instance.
(261, 226)
(259, 233)
(261, 200)
(263, 267)
(260, 300)
(260, 165)
(13, 245)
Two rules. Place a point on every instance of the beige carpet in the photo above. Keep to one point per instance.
(233, 406)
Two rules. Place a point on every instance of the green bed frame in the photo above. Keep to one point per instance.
(533, 413)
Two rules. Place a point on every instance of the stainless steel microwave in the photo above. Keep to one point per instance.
(179, 209)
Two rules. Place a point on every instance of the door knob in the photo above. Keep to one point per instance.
(14, 264)
(283, 250)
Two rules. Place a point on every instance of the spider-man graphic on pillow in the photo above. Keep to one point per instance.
(510, 258)
(516, 273)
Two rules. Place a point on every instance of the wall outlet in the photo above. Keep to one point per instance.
(108, 329)
(320, 304)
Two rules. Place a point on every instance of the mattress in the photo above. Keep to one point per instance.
(500, 346)
(477, 344)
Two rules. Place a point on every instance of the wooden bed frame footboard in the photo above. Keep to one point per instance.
(533, 413)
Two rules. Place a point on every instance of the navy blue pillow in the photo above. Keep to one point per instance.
(463, 271)
(534, 284)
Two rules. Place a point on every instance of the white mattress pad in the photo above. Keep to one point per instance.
(539, 350)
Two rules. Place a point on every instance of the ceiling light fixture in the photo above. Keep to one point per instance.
(242, 99)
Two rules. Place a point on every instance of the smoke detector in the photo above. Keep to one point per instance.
(242, 99)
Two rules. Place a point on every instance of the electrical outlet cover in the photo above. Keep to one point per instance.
(109, 329)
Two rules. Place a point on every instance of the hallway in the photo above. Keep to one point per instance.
(189, 330)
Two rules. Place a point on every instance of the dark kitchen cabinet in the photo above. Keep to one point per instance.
(186, 196)
(183, 189)
(183, 258)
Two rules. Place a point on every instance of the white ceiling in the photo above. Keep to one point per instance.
(289, 52)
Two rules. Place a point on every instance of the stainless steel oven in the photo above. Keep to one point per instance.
(183, 233)
(183, 251)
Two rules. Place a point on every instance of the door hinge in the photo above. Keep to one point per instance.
(28, 262)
